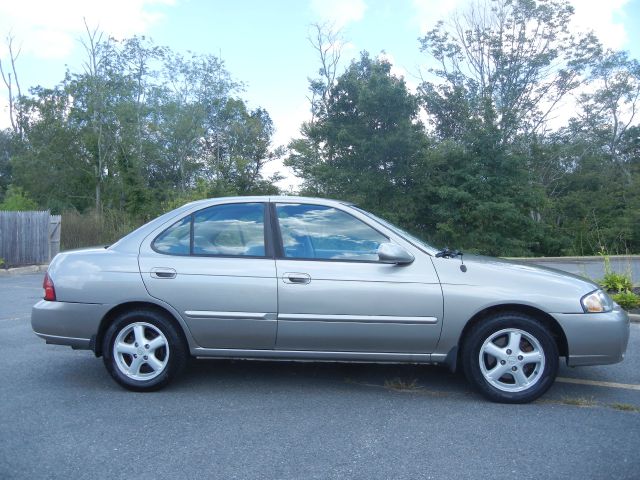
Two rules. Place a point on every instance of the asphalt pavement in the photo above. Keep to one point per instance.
(61, 416)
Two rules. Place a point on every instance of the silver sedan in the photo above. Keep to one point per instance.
(292, 278)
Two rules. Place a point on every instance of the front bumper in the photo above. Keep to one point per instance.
(64, 323)
(595, 338)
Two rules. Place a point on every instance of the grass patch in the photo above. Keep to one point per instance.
(402, 385)
(579, 401)
(399, 385)
(625, 407)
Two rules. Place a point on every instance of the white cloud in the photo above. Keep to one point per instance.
(396, 70)
(287, 120)
(339, 12)
(429, 12)
(49, 29)
(605, 18)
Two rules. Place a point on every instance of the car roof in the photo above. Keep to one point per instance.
(269, 198)
(131, 241)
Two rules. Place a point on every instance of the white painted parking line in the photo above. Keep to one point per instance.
(580, 381)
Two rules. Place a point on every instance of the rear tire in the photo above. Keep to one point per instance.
(510, 358)
(143, 351)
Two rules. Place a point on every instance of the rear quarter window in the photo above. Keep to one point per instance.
(176, 239)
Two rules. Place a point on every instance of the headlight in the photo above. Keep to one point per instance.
(597, 302)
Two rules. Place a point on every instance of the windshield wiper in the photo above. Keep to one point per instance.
(446, 252)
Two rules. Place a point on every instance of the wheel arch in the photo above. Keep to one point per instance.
(115, 312)
(543, 317)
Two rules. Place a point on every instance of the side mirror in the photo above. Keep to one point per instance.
(392, 253)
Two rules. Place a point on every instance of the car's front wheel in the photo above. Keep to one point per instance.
(143, 351)
(510, 358)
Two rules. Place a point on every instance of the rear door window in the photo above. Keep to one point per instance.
(230, 230)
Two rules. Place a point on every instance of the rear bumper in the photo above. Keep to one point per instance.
(595, 338)
(63, 323)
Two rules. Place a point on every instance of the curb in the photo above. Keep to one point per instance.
(634, 317)
(20, 270)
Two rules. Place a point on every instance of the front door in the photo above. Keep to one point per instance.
(334, 294)
(213, 267)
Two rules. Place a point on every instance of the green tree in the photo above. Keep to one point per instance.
(6, 149)
(136, 125)
(503, 65)
(366, 145)
(596, 199)
(15, 199)
(502, 68)
(51, 164)
(236, 155)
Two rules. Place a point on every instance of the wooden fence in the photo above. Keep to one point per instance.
(28, 238)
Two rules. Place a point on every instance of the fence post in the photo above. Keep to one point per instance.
(55, 226)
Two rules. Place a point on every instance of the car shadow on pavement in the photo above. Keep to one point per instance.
(321, 376)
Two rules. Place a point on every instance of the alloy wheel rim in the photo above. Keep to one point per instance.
(512, 360)
(141, 351)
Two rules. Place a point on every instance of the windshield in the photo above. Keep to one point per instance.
(421, 244)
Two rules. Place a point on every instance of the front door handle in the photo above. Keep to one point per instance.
(297, 278)
(163, 272)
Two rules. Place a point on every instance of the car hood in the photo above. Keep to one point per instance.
(479, 266)
(513, 281)
(527, 268)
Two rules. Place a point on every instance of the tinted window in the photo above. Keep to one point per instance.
(175, 239)
(233, 229)
(315, 231)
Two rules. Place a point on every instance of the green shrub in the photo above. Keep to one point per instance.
(15, 199)
(1, 262)
(627, 300)
(616, 282)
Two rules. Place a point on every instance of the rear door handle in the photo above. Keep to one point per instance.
(163, 272)
(298, 278)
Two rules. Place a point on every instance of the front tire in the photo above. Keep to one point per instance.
(510, 358)
(142, 351)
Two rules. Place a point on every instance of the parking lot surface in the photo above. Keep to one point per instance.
(62, 416)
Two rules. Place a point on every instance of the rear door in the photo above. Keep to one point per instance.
(334, 294)
(216, 268)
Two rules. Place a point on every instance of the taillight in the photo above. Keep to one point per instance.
(49, 289)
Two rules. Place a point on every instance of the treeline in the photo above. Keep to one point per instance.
(139, 129)
(477, 158)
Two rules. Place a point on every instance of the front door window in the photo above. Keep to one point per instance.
(317, 232)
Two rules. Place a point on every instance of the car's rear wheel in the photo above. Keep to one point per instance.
(510, 358)
(143, 351)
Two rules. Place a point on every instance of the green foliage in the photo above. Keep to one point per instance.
(616, 282)
(502, 67)
(6, 150)
(16, 199)
(619, 285)
(490, 176)
(139, 126)
(366, 145)
(1, 262)
(627, 300)
(141, 129)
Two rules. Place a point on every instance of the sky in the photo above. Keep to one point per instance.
(263, 43)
